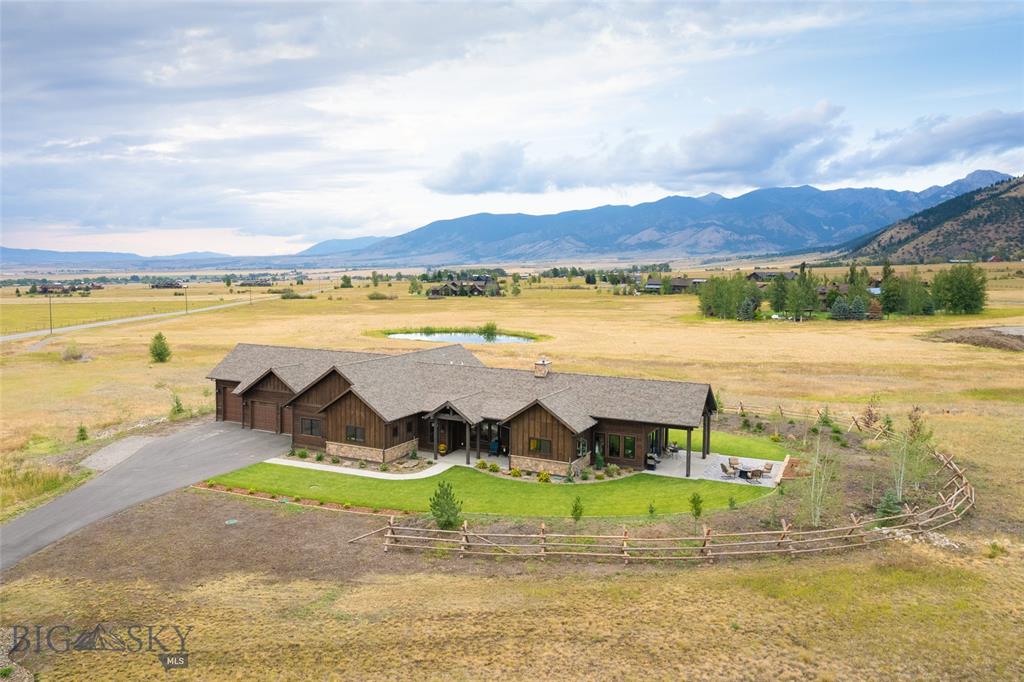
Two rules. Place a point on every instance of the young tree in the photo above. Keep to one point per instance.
(375, 278)
(346, 282)
(909, 453)
(82, 434)
(961, 290)
(820, 486)
(802, 294)
(446, 510)
(696, 509)
(577, 509)
(159, 349)
(227, 280)
(777, 294)
(415, 286)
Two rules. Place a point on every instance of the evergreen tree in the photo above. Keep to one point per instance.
(346, 282)
(840, 309)
(577, 509)
(159, 349)
(446, 510)
(892, 294)
(858, 309)
(746, 310)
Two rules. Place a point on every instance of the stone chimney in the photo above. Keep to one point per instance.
(541, 368)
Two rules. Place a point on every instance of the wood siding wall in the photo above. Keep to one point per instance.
(350, 410)
(537, 422)
(307, 406)
(637, 430)
(229, 405)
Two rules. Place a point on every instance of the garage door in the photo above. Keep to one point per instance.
(232, 406)
(264, 416)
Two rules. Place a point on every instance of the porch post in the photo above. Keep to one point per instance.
(478, 441)
(434, 422)
(689, 436)
(707, 435)
(467, 442)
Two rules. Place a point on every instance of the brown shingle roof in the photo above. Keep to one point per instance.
(397, 386)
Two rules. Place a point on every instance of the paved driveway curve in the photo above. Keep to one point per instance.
(168, 463)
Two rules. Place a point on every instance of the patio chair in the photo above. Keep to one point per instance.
(768, 467)
(734, 462)
(728, 472)
(755, 476)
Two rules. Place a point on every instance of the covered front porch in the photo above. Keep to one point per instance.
(466, 438)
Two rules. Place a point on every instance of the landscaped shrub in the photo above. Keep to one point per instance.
(585, 475)
(414, 455)
(696, 509)
(384, 466)
(651, 509)
(515, 473)
(544, 477)
(493, 468)
(759, 427)
(481, 464)
(291, 452)
(319, 456)
(732, 503)
(775, 438)
(302, 454)
(745, 423)
(445, 509)
(612, 470)
(335, 460)
(177, 409)
(599, 461)
(889, 505)
(599, 476)
(362, 464)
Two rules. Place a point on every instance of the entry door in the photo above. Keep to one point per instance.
(264, 416)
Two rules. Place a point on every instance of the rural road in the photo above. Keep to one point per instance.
(120, 320)
(165, 464)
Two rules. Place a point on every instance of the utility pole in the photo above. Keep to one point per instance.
(186, 299)
(250, 296)
(49, 298)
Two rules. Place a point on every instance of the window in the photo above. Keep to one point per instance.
(540, 446)
(394, 431)
(614, 443)
(581, 447)
(408, 428)
(599, 444)
(310, 427)
(355, 434)
(628, 447)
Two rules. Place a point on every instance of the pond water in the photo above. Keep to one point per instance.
(460, 337)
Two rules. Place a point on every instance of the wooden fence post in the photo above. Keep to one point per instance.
(784, 535)
(705, 546)
(625, 546)
(543, 533)
(465, 538)
(389, 532)
(856, 528)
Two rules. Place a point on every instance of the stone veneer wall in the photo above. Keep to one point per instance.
(352, 451)
(553, 467)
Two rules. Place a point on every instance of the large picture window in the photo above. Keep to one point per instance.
(310, 427)
(614, 446)
(540, 446)
(629, 447)
(355, 434)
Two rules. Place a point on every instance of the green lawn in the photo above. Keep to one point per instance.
(488, 494)
(758, 447)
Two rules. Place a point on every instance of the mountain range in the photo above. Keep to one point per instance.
(768, 220)
(981, 223)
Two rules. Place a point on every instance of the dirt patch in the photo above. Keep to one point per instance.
(985, 337)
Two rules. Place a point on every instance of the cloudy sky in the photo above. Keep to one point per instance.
(261, 128)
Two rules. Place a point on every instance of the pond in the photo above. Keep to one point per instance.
(460, 337)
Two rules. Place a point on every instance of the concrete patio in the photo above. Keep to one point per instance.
(710, 469)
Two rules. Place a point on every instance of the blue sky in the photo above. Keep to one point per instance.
(261, 128)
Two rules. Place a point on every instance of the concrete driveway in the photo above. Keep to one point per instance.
(168, 463)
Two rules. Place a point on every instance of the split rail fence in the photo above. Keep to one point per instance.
(956, 498)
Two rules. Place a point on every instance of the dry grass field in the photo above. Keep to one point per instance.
(296, 609)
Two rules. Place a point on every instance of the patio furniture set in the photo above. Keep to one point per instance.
(749, 473)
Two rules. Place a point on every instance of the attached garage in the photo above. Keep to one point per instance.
(229, 405)
(264, 416)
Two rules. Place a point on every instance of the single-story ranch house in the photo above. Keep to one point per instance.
(380, 408)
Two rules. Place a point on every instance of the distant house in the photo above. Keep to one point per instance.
(256, 283)
(477, 285)
(679, 285)
(769, 275)
(168, 284)
(53, 288)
